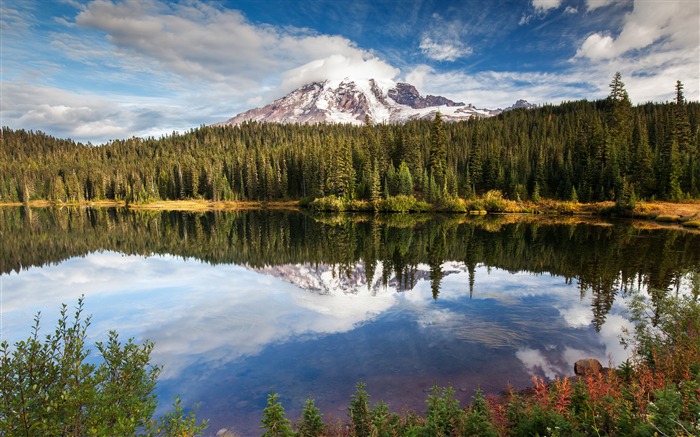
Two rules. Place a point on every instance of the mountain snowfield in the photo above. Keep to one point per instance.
(350, 100)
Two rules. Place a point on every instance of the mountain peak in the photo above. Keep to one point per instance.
(349, 100)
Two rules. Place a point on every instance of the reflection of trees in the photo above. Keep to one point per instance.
(604, 260)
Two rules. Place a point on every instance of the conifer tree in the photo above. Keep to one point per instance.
(274, 419)
(438, 150)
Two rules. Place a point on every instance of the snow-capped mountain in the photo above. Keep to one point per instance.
(348, 101)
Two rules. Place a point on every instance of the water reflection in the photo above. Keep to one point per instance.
(238, 303)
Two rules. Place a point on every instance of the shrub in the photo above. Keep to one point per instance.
(329, 203)
(494, 201)
(274, 419)
(48, 388)
(451, 204)
(402, 203)
(478, 420)
(311, 424)
(444, 416)
(359, 412)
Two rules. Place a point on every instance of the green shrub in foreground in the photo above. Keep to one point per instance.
(48, 388)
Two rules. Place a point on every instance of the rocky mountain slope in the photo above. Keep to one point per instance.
(349, 101)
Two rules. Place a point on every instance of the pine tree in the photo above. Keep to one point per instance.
(619, 120)
(274, 419)
(311, 421)
(438, 151)
(643, 171)
(405, 180)
(359, 412)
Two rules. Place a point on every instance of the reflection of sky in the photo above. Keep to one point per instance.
(236, 330)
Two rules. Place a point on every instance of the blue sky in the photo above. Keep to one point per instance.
(95, 70)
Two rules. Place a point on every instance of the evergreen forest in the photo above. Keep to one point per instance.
(582, 151)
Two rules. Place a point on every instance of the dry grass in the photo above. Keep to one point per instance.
(679, 211)
(207, 205)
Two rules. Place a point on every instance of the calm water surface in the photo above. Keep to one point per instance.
(242, 303)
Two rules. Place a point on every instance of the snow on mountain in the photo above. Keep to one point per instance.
(349, 101)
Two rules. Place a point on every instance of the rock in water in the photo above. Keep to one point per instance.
(587, 366)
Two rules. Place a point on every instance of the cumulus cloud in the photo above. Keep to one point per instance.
(212, 61)
(201, 42)
(657, 44)
(334, 67)
(62, 112)
(545, 5)
(542, 8)
(669, 25)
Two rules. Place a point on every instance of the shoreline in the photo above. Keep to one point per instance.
(645, 214)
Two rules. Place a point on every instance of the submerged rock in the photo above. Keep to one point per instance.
(587, 366)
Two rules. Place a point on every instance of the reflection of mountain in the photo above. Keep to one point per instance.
(326, 279)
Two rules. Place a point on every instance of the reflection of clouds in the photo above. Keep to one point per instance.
(197, 313)
(471, 329)
(535, 360)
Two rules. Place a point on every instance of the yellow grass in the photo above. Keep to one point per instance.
(659, 213)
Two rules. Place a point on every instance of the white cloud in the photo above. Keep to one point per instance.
(493, 89)
(335, 67)
(534, 360)
(595, 4)
(658, 43)
(545, 5)
(444, 40)
(443, 51)
(200, 42)
(174, 65)
(668, 25)
(570, 10)
(596, 47)
(542, 8)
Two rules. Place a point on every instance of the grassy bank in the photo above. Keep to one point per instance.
(686, 214)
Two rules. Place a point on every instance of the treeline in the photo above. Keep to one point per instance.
(587, 151)
(601, 259)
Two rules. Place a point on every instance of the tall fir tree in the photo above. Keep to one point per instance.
(438, 150)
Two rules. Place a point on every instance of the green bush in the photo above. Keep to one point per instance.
(329, 203)
(274, 419)
(311, 424)
(444, 415)
(451, 204)
(494, 202)
(49, 389)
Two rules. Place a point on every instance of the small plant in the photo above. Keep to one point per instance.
(275, 419)
(311, 424)
(444, 415)
(359, 412)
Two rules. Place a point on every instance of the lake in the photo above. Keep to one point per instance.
(241, 303)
